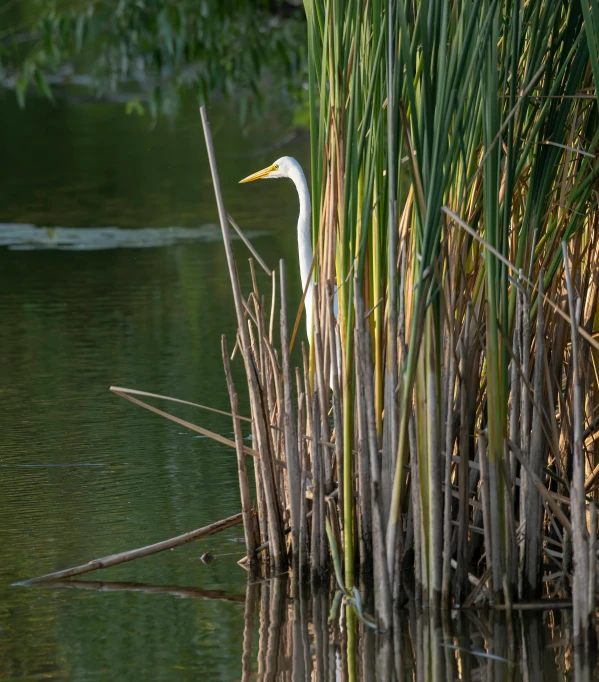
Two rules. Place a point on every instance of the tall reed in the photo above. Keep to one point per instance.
(454, 187)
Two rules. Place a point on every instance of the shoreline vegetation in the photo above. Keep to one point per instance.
(454, 193)
(454, 190)
(154, 57)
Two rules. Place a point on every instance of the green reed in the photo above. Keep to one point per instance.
(453, 151)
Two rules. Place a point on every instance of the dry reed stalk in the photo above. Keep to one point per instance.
(132, 391)
(291, 443)
(463, 510)
(383, 593)
(581, 589)
(322, 391)
(531, 586)
(259, 417)
(486, 496)
(301, 422)
(496, 500)
(115, 559)
(244, 489)
(435, 549)
(318, 541)
(592, 577)
(274, 392)
(247, 242)
(364, 477)
(449, 440)
(304, 555)
(515, 366)
(309, 406)
(511, 567)
(261, 506)
(525, 421)
(334, 345)
(548, 497)
(124, 393)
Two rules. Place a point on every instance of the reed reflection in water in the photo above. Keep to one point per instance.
(290, 636)
(295, 641)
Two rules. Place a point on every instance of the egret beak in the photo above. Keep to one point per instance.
(264, 173)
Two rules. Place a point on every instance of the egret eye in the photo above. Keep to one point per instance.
(275, 167)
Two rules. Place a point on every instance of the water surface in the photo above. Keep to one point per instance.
(84, 473)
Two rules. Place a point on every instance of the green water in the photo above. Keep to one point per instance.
(84, 473)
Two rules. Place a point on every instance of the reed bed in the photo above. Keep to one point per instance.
(452, 443)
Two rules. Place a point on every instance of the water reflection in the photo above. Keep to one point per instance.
(296, 641)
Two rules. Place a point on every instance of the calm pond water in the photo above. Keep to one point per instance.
(84, 473)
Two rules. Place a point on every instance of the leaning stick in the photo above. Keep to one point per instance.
(114, 559)
(246, 241)
(194, 427)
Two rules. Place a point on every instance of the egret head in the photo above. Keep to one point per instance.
(281, 168)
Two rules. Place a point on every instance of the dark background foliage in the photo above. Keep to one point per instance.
(153, 54)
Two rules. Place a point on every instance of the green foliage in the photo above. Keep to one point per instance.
(157, 50)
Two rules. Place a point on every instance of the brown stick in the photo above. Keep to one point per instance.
(447, 533)
(291, 449)
(257, 405)
(134, 391)
(383, 588)
(318, 546)
(244, 488)
(247, 242)
(532, 567)
(194, 427)
(114, 559)
(580, 537)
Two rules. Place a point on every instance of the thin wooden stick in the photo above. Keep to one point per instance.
(260, 417)
(291, 450)
(205, 432)
(381, 575)
(549, 497)
(122, 557)
(364, 482)
(580, 538)
(133, 391)
(247, 242)
(244, 488)
(531, 584)
(447, 531)
(318, 546)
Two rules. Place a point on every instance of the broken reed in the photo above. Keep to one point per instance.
(453, 154)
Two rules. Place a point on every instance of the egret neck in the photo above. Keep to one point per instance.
(288, 167)
(304, 237)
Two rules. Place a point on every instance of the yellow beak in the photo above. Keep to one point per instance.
(264, 173)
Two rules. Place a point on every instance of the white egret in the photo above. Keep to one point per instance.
(288, 167)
